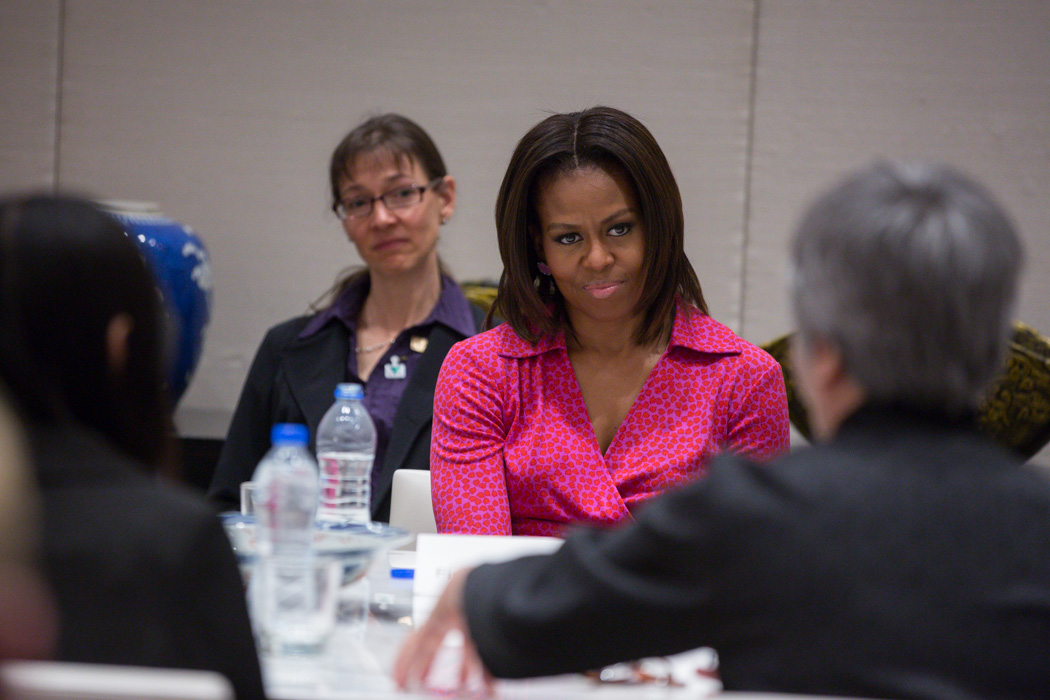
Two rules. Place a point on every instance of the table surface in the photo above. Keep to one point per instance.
(353, 670)
(357, 663)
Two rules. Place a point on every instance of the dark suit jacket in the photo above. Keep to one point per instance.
(291, 381)
(143, 574)
(906, 558)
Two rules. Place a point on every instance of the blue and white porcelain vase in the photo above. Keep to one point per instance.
(183, 271)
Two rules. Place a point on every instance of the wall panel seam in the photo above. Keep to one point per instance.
(749, 149)
(59, 73)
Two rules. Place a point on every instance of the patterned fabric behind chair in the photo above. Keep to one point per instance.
(1016, 412)
(481, 293)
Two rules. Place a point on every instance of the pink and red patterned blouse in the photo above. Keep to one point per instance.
(513, 450)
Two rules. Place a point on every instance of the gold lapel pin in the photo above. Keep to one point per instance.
(418, 343)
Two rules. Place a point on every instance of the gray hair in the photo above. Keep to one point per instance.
(911, 272)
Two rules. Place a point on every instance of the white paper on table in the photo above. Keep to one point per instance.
(439, 556)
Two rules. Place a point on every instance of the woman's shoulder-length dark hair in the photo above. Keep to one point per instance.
(609, 139)
(66, 270)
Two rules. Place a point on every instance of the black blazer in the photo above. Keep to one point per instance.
(907, 557)
(291, 381)
(142, 573)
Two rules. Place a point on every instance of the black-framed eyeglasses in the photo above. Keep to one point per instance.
(358, 207)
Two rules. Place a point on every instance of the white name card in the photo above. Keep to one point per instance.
(440, 556)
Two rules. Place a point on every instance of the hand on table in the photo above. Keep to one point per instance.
(414, 661)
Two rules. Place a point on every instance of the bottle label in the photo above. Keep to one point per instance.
(346, 485)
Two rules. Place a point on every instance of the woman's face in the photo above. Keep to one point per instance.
(593, 239)
(392, 242)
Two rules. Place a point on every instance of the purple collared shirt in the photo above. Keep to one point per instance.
(383, 389)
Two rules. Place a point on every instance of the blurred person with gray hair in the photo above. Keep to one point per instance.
(902, 556)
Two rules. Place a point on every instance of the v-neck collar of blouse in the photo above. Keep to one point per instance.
(708, 337)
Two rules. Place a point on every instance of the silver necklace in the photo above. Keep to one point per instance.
(373, 348)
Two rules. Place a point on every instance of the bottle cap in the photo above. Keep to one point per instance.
(348, 390)
(289, 434)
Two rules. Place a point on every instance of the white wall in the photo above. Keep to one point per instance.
(29, 54)
(225, 114)
(839, 83)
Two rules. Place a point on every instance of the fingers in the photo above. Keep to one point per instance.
(412, 669)
(416, 657)
(473, 667)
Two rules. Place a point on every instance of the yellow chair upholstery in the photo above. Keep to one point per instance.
(480, 293)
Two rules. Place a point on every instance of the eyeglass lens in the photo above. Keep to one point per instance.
(398, 198)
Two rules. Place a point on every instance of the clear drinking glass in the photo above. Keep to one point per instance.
(248, 492)
(300, 621)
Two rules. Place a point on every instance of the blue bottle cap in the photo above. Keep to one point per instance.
(348, 390)
(289, 434)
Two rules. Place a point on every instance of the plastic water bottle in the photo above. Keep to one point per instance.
(283, 585)
(346, 449)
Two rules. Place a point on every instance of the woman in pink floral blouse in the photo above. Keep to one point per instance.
(608, 383)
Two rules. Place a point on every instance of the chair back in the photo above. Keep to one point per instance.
(410, 504)
(59, 680)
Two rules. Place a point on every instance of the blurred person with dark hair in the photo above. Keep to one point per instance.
(142, 572)
(903, 556)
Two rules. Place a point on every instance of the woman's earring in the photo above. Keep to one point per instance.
(543, 268)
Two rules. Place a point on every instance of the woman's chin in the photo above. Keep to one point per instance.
(399, 265)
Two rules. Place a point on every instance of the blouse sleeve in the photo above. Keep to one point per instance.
(466, 449)
(758, 424)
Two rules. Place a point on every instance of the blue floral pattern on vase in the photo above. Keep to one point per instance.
(182, 268)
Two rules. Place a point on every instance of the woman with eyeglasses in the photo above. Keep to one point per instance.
(387, 326)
